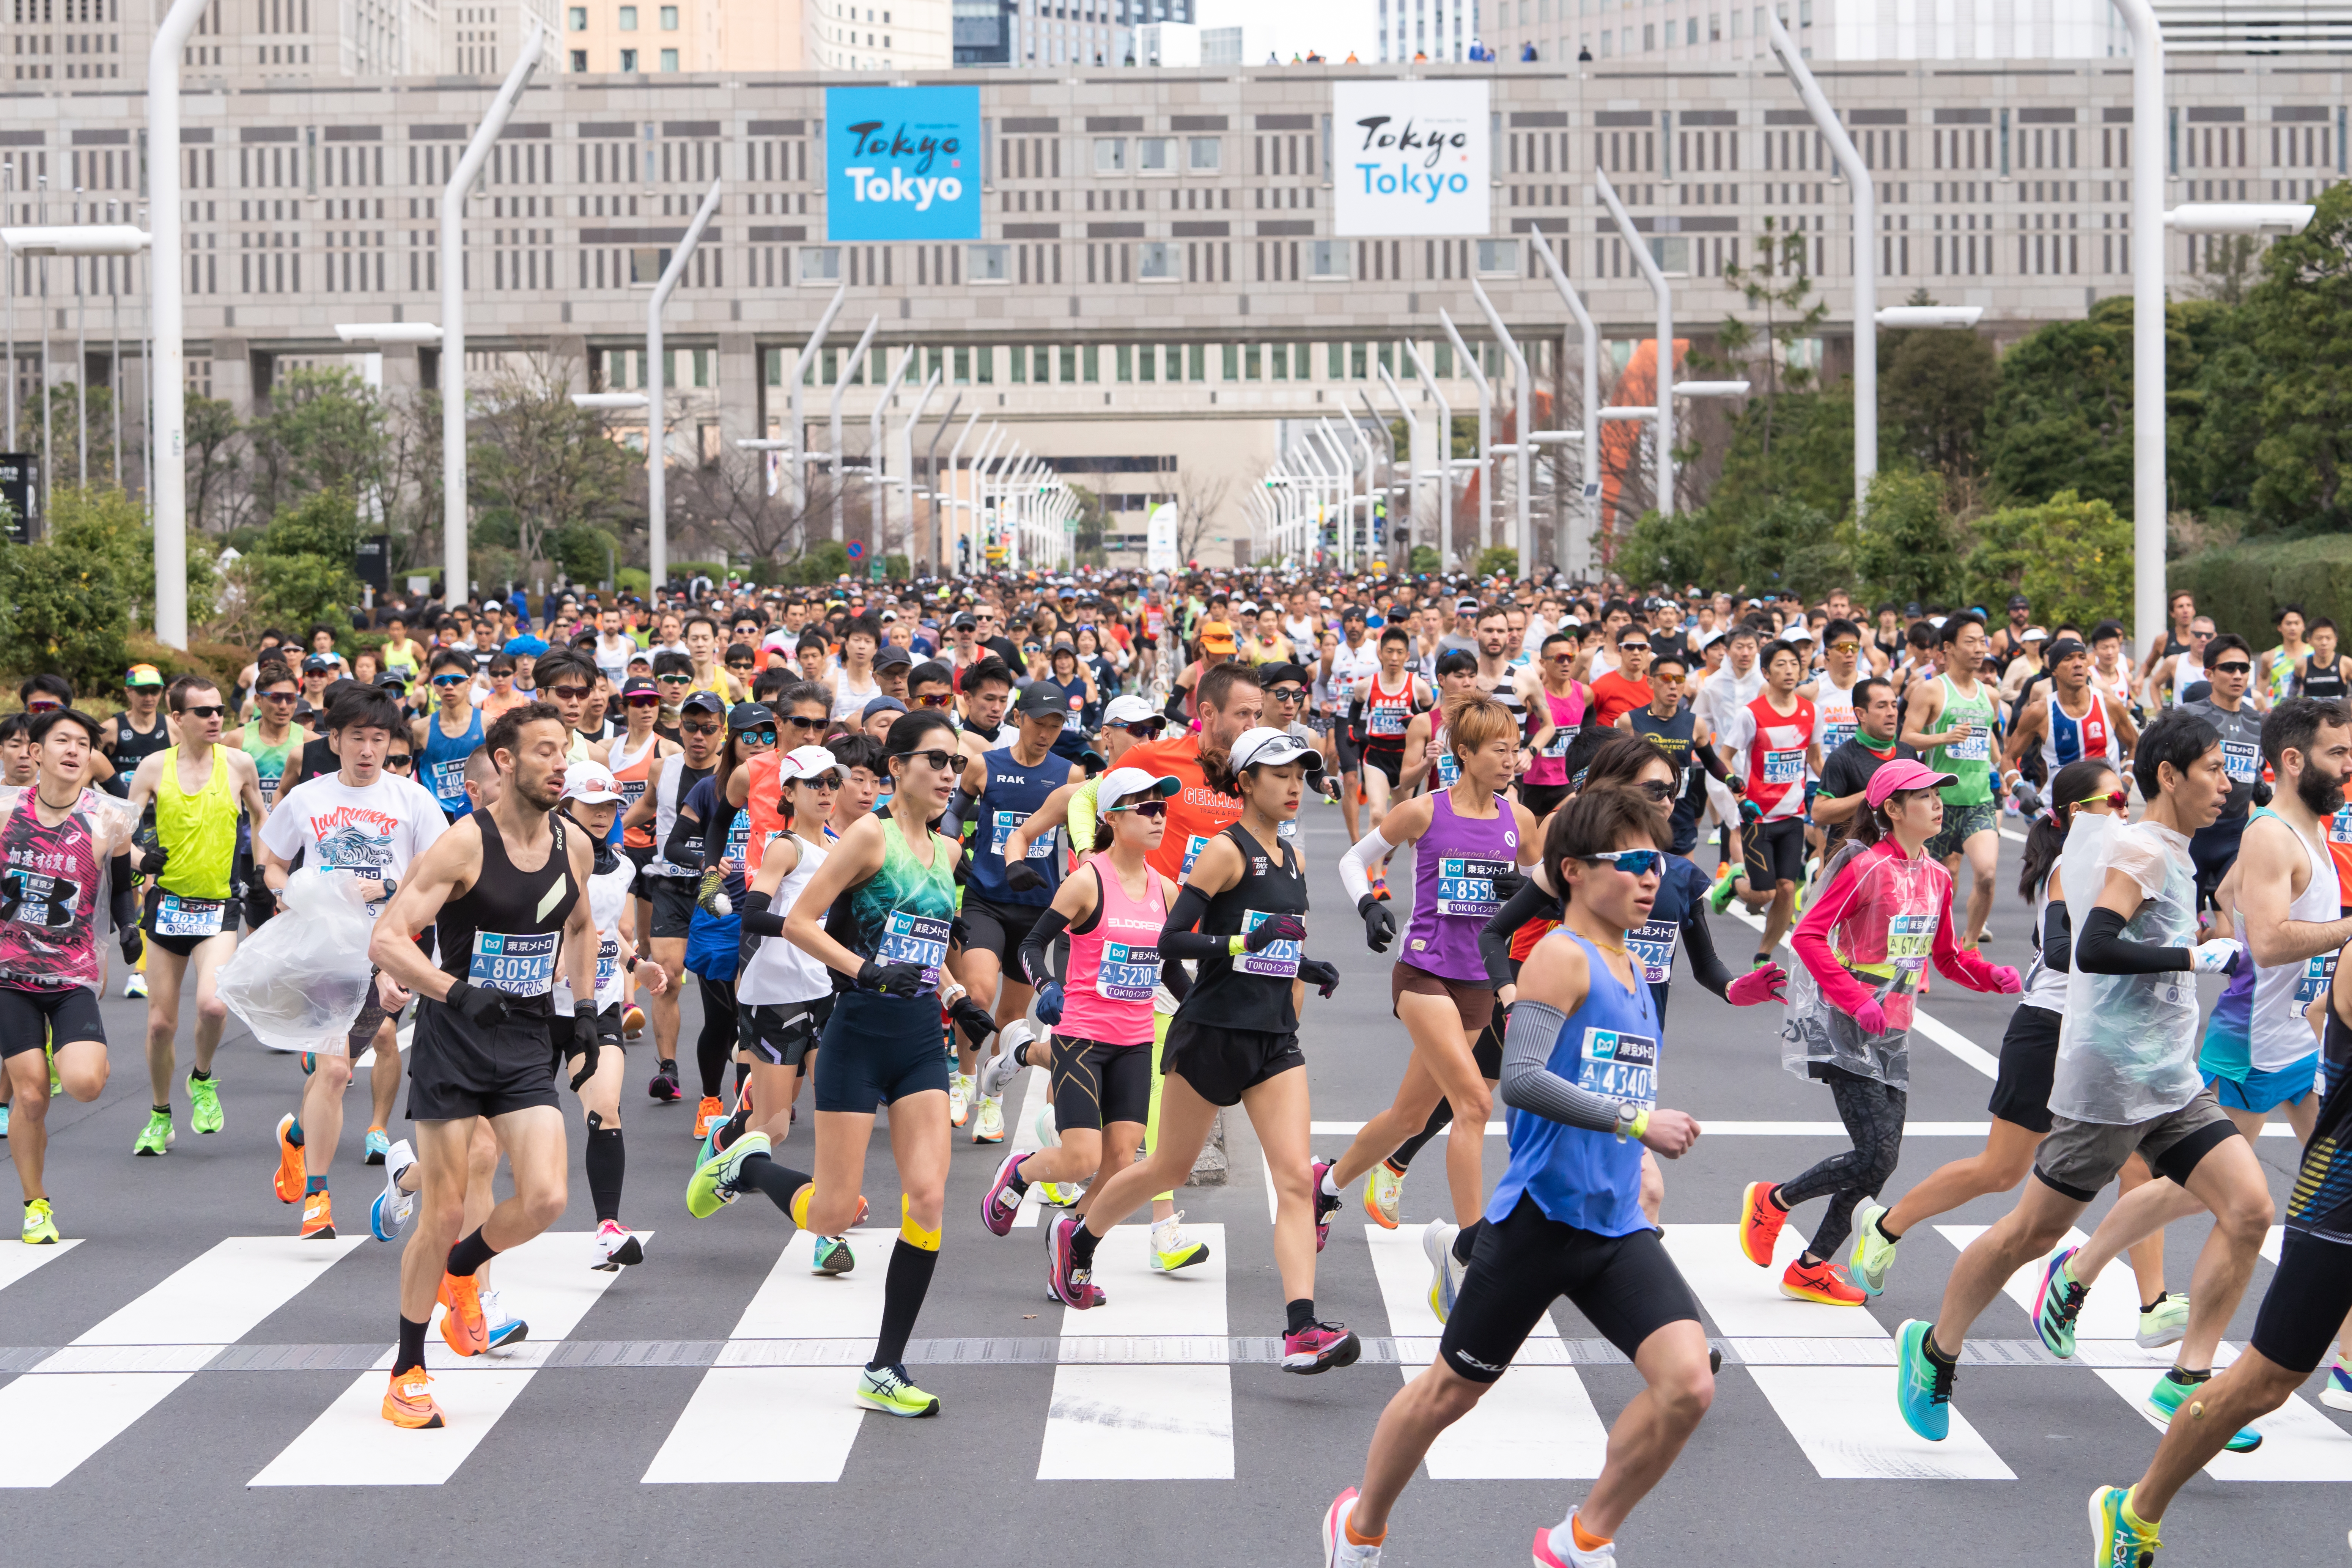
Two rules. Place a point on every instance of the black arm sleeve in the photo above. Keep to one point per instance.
(1175, 708)
(1177, 978)
(685, 845)
(1178, 939)
(1711, 761)
(760, 919)
(1037, 947)
(2102, 949)
(2057, 937)
(1698, 941)
(1529, 903)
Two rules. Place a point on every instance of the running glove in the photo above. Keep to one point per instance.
(1049, 1002)
(1323, 976)
(2005, 980)
(1765, 984)
(974, 1020)
(585, 1043)
(2219, 956)
(1023, 877)
(1379, 925)
(482, 1004)
(1870, 1016)
(127, 935)
(891, 979)
(1274, 929)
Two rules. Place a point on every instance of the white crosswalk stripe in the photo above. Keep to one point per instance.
(1109, 1421)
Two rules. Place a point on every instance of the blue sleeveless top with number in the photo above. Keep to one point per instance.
(444, 772)
(1012, 794)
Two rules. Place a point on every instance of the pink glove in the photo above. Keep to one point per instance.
(1765, 984)
(2005, 980)
(1870, 1016)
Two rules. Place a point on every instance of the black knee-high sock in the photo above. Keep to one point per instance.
(773, 1177)
(1439, 1120)
(470, 1254)
(712, 1046)
(411, 1346)
(903, 1288)
(607, 1160)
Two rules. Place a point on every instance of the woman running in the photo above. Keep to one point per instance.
(879, 912)
(1470, 839)
(1885, 910)
(715, 838)
(1234, 1039)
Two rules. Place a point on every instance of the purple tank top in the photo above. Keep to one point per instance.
(1455, 868)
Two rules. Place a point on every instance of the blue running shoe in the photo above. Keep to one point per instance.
(2057, 1302)
(377, 1146)
(504, 1329)
(2125, 1541)
(1923, 1386)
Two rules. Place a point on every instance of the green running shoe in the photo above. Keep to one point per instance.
(1873, 1255)
(712, 1187)
(832, 1256)
(890, 1391)
(2057, 1302)
(40, 1225)
(1923, 1387)
(2125, 1541)
(1719, 898)
(205, 1106)
(2166, 1397)
(156, 1136)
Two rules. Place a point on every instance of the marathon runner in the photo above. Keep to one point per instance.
(670, 888)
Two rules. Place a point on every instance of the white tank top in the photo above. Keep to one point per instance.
(608, 891)
(673, 768)
(2044, 987)
(778, 971)
(2278, 1036)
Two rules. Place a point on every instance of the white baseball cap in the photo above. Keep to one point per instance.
(1129, 708)
(1122, 786)
(590, 783)
(805, 763)
(1271, 748)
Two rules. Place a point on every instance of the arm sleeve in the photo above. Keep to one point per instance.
(1810, 939)
(1355, 866)
(759, 918)
(1177, 978)
(2057, 937)
(1698, 942)
(1178, 939)
(1175, 708)
(2103, 950)
(1711, 761)
(1528, 1084)
(1037, 947)
(685, 845)
(958, 806)
(1533, 902)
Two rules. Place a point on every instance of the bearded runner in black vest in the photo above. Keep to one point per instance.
(505, 885)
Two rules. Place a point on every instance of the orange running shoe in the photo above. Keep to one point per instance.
(291, 1177)
(462, 1325)
(409, 1401)
(318, 1216)
(1760, 1219)
(708, 1111)
(1824, 1282)
(632, 1022)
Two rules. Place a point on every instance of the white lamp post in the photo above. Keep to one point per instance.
(849, 367)
(796, 471)
(167, 482)
(1930, 315)
(617, 400)
(1445, 452)
(658, 395)
(1522, 451)
(1580, 543)
(1478, 375)
(1411, 465)
(1662, 459)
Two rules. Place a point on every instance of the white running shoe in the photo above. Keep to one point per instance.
(618, 1244)
(988, 1127)
(504, 1327)
(959, 1099)
(1444, 1273)
(1172, 1249)
(997, 1073)
(389, 1215)
(1339, 1551)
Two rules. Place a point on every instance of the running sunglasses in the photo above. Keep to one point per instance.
(447, 680)
(570, 693)
(278, 696)
(764, 737)
(935, 759)
(1145, 729)
(940, 700)
(1845, 648)
(822, 781)
(1633, 862)
(2116, 798)
(674, 679)
(800, 723)
(43, 705)
(2233, 670)
(203, 711)
(1288, 694)
(1147, 808)
(645, 699)
(709, 729)
(1655, 789)
(401, 761)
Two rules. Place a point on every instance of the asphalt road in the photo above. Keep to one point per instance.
(214, 1396)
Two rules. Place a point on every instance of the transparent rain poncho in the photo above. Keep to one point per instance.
(299, 981)
(1879, 911)
(2127, 1043)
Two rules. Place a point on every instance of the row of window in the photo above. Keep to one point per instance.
(627, 60)
(627, 18)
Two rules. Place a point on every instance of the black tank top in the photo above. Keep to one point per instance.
(1672, 739)
(132, 747)
(1252, 991)
(505, 929)
(2330, 686)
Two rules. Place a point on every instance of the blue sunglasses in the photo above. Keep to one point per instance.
(1633, 862)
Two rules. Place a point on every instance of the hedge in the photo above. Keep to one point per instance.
(2242, 588)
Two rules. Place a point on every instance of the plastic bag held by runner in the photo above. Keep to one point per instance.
(2127, 1043)
(298, 982)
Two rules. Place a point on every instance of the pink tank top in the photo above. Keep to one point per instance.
(1549, 765)
(1115, 967)
(49, 889)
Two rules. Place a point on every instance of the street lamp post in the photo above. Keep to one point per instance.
(1444, 453)
(1523, 449)
(1580, 541)
(1486, 429)
(797, 469)
(1663, 457)
(168, 480)
(877, 492)
(851, 366)
(657, 397)
(1411, 465)
(458, 582)
(906, 478)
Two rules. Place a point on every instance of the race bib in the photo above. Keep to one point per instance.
(520, 966)
(1784, 767)
(1000, 828)
(739, 836)
(1279, 960)
(1652, 946)
(30, 899)
(269, 783)
(1835, 735)
(449, 780)
(1558, 745)
(1619, 1065)
(1193, 845)
(176, 916)
(632, 792)
(2318, 973)
(1908, 939)
(2244, 760)
(1449, 769)
(608, 962)
(2339, 826)
(1387, 723)
(1287, 829)
(1466, 886)
(1127, 973)
(916, 939)
(1976, 748)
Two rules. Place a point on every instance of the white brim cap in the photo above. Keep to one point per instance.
(805, 763)
(591, 783)
(1121, 785)
(1129, 708)
(1267, 747)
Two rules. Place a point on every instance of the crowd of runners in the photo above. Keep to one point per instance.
(906, 842)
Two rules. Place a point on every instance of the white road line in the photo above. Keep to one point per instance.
(549, 1281)
(1536, 1423)
(1109, 1422)
(804, 1418)
(1844, 1418)
(17, 1260)
(88, 1394)
(1927, 1027)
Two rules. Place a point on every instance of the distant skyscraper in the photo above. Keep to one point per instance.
(1221, 46)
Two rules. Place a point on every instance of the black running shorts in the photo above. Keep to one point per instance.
(1626, 1284)
(673, 901)
(2029, 1057)
(781, 1034)
(31, 1016)
(2305, 1304)
(1221, 1063)
(1095, 1085)
(458, 1069)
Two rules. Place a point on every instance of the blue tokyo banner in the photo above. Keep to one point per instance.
(902, 162)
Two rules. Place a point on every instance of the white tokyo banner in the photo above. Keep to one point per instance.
(1411, 158)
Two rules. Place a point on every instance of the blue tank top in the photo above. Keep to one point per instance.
(444, 772)
(1654, 945)
(1589, 1180)
(1012, 794)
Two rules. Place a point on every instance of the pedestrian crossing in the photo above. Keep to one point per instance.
(1141, 1388)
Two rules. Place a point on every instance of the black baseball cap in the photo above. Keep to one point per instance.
(317, 664)
(638, 683)
(702, 702)
(749, 716)
(2020, 602)
(1040, 698)
(891, 657)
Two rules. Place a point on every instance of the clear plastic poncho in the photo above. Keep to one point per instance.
(1883, 938)
(2127, 1043)
(299, 981)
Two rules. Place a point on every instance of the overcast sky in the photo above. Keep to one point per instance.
(1295, 26)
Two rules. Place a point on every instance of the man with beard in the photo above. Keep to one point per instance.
(504, 888)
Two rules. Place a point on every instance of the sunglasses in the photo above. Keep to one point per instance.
(1288, 694)
(935, 759)
(279, 696)
(569, 693)
(399, 762)
(758, 737)
(743, 664)
(1145, 729)
(699, 729)
(43, 705)
(798, 723)
(2116, 798)
(941, 701)
(645, 699)
(2233, 670)
(1657, 789)
(674, 679)
(823, 781)
(1148, 808)
(203, 711)
(1633, 862)
(445, 681)
(1845, 648)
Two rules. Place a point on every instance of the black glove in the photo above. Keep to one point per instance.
(1274, 929)
(973, 1020)
(1379, 925)
(1324, 977)
(1023, 877)
(482, 1004)
(2262, 792)
(2028, 798)
(127, 935)
(1508, 885)
(152, 859)
(587, 1041)
(891, 979)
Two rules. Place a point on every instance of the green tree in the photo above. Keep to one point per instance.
(64, 613)
(1800, 446)
(2072, 557)
(1905, 548)
(1780, 286)
(1498, 558)
(299, 571)
(1935, 388)
(324, 430)
(103, 523)
(2297, 323)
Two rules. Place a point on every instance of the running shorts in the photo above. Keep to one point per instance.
(673, 901)
(877, 1050)
(2265, 1091)
(31, 1016)
(1962, 823)
(1541, 798)
(1626, 1284)
(782, 1033)
(457, 1068)
(1095, 1084)
(1773, 852)
(1474, 1002)
(1000, 929)
(2028, 1056)
(2305, 1304)
(2079, 1158)
(1388, 764)
(1220, 1064)
(187, 912)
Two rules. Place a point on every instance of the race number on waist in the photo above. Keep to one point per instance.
(1652, 946)
(1619, 1065)
(2318, 973)
(916, 939)
(1975, 747)
(176, 916)
(1127, 972)
(1466, 886)
(1908, 939)
(519, 964)
(608, 962)
(1279, 960)
(1387, 721)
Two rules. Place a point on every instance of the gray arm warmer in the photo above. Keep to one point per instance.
(1528, 1085)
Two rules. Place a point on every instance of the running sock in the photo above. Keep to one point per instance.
(200, 1074)
(1082, 1246)
(1935, 1353)
(1891, 1237)
(779, 1180)
(737, 1125)
(2152, 1306)
(470, 1254)
(1584, 1539)
(162, 1109)
(742, 1071)
(2132, 1518)
(411, 1346)
(1300, 1313)
(1020, 1184)
(315, 1185)
(2188, 1379)
(1358, 1538)
(903, 1288)
(607, 1160)
(294, 1132)
(1330, 1189)
(1465, 1239)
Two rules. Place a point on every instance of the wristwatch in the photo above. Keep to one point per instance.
(1632, 1120)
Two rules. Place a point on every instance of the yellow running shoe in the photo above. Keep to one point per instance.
(1382, 1189)
(40, 1225)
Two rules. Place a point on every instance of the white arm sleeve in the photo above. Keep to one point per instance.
(1356, 865)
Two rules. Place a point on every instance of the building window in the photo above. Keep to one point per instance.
(669, 18)
(579, 62)
(580, 18)
(1158, 259)
(669, 59)
(1499, 256)
(1206, 154)
(985, 263)
(1672, 253)
(820, 264)
(628, 19)
(1110, 155)
(1156, 155)
(645, 265)
(628, 59)
(1330, 258)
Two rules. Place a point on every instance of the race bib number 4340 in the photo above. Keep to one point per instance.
(1619, 1065)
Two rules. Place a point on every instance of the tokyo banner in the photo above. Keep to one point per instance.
(1411, 158)
(902, 162)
